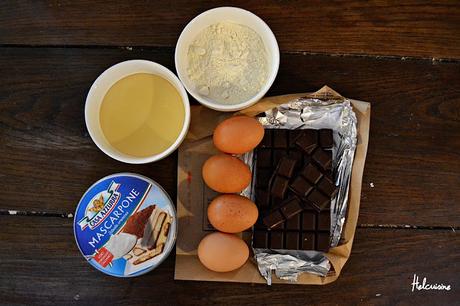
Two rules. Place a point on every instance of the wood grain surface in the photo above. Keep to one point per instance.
(403, 57)
(413, 159)
(397, 28)
(379, 272)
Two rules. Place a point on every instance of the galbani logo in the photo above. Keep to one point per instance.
(101, 206)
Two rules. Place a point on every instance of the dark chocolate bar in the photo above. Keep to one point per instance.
(294, 188)
(308, 230)
(286, 210)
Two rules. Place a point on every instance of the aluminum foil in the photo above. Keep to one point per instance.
(306, 113)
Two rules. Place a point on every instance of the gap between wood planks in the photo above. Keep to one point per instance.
(373, 226)
(434, 60)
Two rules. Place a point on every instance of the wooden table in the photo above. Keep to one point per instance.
(404, 58)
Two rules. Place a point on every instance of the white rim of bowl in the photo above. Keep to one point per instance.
(262, 92)
(176, 83)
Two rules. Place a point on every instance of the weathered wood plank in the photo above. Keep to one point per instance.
(48, 159)
(410, 28)
(42, 265)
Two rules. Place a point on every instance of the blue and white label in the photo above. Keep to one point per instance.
(98, 216)
(125, 225)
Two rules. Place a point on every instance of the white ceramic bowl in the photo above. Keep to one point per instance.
(102, 85)
(235, 15)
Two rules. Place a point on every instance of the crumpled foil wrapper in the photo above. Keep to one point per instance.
(309, 113)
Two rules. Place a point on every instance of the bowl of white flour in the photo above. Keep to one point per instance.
(227, 58)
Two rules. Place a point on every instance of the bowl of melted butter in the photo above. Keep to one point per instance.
(137, 112)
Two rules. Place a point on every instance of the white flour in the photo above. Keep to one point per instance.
(227, 62)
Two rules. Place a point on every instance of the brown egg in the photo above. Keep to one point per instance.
(226, 174)
(222, 252)
(231, 213)
(237, 135)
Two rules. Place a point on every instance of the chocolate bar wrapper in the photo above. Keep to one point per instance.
(320, 112)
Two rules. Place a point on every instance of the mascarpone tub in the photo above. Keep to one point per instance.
(125, 225)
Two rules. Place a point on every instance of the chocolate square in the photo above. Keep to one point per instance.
(323, 158)
(276, 240)
(307, 141)
(291, 208)
(276, 202)
(307, 159)
(309, 220)
(318, 200)
(301, 186)
(324, 220)
(286, 167)
(280, 139)
(311, 173)
(292, 240)
(279, 187)
(273, 219)
(326, 141)
(293, 223)
(267, 140)
(278, 154)
(323, 240)
(263, 178)
(260, 239)
(308, 241)
(293, 135)
(327, 187)
(262, 198)
(264, 157)
(296, 154)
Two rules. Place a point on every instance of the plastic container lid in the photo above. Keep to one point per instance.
(125, 225)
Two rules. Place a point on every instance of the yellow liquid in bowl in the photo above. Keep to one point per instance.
(142, 115)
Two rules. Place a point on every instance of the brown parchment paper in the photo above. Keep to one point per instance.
(192, 196)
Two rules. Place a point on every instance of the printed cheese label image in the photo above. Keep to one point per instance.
(124, 224)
